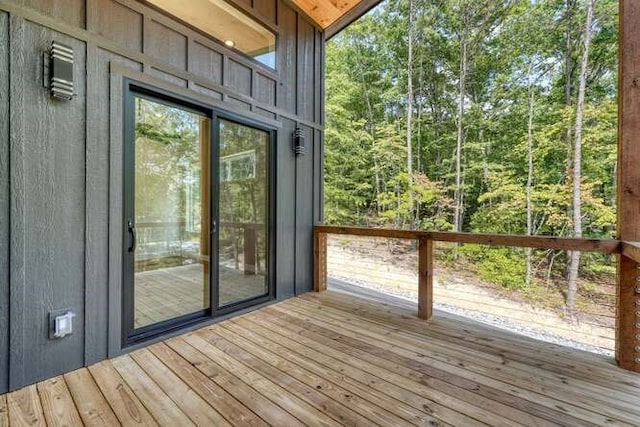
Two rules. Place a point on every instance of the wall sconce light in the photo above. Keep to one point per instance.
(298, 141)
(61, 71)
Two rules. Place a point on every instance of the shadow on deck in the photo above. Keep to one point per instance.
(339, 359)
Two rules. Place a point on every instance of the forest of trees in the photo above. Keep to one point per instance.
(495, 116)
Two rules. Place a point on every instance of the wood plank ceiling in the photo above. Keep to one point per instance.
(327, 12)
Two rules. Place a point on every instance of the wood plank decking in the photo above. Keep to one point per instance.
(170, 292)
(336, 359)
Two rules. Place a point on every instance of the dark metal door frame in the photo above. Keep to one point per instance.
(133, 90)
(271, 211)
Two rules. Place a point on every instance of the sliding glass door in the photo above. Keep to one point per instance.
(244, 203)
(196, 214)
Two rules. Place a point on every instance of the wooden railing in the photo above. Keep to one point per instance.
(627, 312)
(249, 230)
(631, 250)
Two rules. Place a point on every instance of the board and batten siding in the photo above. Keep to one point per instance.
(4, 200)
(55, 214)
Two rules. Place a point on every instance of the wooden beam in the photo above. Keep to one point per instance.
(626, 331)
(368, 232)
(627, 334)
(323, 13)
(631, 250)
(249, 237)
(347, 18)
(319, 261)
(425, 279)
(539, 242)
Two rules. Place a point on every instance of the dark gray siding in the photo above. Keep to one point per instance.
(127, 34)
(304, 213)
(205, 62)
(288, 20)
(318, 178)
(97, 200)
(286, 217)
(69, 12)
(306, 61)
(266, 10)
(47, 198)
(59, 157)
(4, 200)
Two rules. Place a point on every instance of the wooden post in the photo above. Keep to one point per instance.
(425, 278)
(628, 290)
(319, 261)
(249, 250)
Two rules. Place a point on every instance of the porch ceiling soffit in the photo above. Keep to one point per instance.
(334, 15)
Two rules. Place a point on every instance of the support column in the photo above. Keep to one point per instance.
(319, 261)
(628, 293)
(249, 233)
(425, 278)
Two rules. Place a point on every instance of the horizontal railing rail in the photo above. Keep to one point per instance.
(426, 255)
(609, 246)
(631, 250)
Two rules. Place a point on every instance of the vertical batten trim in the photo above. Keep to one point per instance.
(5, 229)
(116, 138)
(17, 277)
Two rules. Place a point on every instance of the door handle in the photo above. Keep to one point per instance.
(132, 232)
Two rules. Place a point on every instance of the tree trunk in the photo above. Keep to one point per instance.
(577, 163)
(419, 166)
(568, 72)
(568, 66)
(372, 129)
(458, 196)
(530, 180)
(410, 108)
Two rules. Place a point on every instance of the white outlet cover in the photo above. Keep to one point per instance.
(63, 325)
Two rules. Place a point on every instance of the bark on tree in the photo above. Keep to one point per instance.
(568, 72)
(577, 162)
(458, 194)
(372, 127)
(530, 179)
(568, 62)
(410, 105)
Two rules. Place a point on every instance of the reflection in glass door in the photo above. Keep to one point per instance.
(167, 215)
(197, 212)
(243, 207)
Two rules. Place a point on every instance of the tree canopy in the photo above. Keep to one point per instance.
(484, 94)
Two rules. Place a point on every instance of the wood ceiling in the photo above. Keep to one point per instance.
(222, 21)
(326, 13)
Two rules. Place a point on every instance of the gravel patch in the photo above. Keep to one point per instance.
(482, 317)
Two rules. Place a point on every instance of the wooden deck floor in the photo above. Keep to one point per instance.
(170, 292)
(335, 359)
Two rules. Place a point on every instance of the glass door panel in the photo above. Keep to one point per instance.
(170, 225)
(243, 208)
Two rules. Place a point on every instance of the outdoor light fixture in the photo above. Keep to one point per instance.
(61, 71)
(298, 141)
(230, 43)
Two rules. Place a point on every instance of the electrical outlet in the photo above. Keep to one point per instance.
(60, 323)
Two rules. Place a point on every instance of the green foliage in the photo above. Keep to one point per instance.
(518, 52)
(502, 266)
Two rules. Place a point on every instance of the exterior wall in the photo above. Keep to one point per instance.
(56, 228)
(4, 200)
